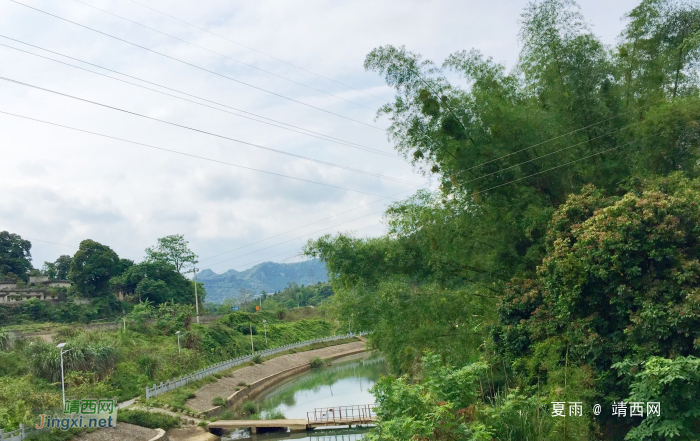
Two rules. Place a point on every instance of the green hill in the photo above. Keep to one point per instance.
(268, 276)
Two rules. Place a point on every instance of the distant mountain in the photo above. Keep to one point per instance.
(268, 276)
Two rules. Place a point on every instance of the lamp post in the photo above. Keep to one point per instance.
(178, 341)
(265, 325)
(63, 383)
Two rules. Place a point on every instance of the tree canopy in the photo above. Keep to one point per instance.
(174, 250)
(562, 239)
(15, 256)
(92, 267)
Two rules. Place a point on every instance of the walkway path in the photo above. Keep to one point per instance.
(121, 432)
(248, 375)
(167, 412)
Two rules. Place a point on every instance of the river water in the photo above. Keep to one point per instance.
(345, 383)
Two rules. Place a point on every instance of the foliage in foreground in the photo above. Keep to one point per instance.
(562, 240)
(120, 364)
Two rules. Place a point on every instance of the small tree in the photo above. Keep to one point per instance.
(173, 249)
(92, 267)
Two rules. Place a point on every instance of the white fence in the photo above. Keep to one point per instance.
(224, 365)
(19, 434)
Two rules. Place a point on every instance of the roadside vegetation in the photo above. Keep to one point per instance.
(559, 260)
(122, 363)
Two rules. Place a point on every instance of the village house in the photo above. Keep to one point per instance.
(38, 287)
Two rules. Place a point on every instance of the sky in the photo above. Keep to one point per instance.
(297, 63)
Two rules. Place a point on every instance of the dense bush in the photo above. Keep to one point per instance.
(152, 420)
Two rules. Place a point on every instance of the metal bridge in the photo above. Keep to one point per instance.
(320, 417)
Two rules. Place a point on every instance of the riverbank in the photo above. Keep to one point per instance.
(240, 379)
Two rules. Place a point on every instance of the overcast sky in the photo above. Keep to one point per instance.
(62, 186)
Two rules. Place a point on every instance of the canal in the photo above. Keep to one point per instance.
(345, 382)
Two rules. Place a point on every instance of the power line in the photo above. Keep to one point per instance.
(550, 139)
(306, 158)
(53, 243)
(307, 225)
(199, 67)
(299, 237)
(297, 254)
(255, 50)
(554, 152)
(221, 55)
(300, 129)
(558, 166)
(185, 154)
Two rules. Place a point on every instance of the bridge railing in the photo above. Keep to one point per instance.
(21, 433)
(173, 384)
(342, 414)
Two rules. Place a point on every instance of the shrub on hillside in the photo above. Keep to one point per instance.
(152, 420)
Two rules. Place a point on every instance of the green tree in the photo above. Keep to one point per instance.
(157, 282)
(92, 267)
(567, 282)
(619, 282)
(173, 249)
(59, 269)
(675, 384)
(15, 255)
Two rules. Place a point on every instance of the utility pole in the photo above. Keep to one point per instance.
(196, 299)
(252, 348)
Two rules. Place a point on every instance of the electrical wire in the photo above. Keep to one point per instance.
(221, 55)
(552, 139)
(299, 130)
(198, 67)
(298, 237)
(554, 152)
(306, 158)
(185, 154)
(556, 167)
(255, 50)
(300, 250)
(307, 225)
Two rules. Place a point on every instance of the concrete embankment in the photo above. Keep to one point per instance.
(260, 377)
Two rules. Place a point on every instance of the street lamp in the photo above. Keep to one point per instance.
(178, 341)
(63, 383)
(265, 325)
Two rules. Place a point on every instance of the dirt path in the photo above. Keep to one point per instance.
(191, 434)
(248, 375)
(167, 412)
(121, 432)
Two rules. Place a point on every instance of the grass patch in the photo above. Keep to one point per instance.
(152, 420)
(273, 415)
(317, 363)
(249, 408)
(218, 401)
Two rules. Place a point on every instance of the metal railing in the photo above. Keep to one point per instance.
(342, 414)
(19, 434)
(173, 384)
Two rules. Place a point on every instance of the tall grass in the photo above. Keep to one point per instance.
(7, 341)
(45, 359)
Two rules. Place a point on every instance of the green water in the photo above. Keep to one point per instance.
(345, 383)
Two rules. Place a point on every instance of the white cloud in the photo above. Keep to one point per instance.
(63, 186)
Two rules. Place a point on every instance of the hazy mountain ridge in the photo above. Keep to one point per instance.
(268, 276)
